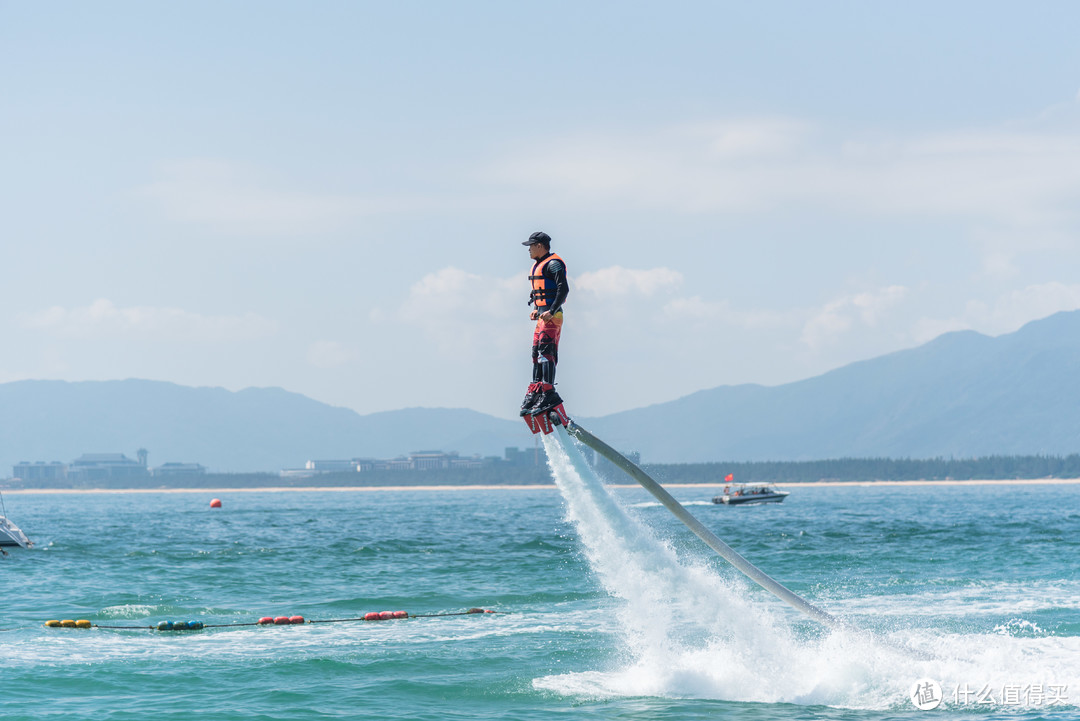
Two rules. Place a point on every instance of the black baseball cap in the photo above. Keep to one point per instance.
(538, 237)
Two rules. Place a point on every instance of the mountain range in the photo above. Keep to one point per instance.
(963, 394)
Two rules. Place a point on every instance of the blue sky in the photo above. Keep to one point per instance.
(329, 197)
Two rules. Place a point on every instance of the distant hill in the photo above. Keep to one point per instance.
(256, 429)
(962, 394)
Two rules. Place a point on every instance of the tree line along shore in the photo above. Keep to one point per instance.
(836, 470)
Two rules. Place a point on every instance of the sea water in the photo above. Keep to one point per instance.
(607, 607)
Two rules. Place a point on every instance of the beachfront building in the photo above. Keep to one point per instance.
(434, 461)
(366, 465)
(331, 466)
(98, 467)
(416, 461)
(179, 469)
(429, 460)
(39, 472)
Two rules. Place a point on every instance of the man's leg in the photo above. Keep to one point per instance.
(546, 358)
(532, 394)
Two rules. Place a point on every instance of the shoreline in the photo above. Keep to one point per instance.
(538, 486)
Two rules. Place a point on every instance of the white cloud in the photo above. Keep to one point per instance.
(617, 281)
(451, 291)
(1006, 313)
(464, 313)
(1035, 301)
(103, 319)
(843, 314)
(871, 305)
(721, 312)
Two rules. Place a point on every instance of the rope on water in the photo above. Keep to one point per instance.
(264, 621)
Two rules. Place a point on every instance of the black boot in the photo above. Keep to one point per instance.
(548, 400)
(531, 397)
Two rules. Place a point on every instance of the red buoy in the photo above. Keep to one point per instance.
(386, 615)
(266, 620)
(215, 503)
(372, 616)
(401, 614)
(282, 620)
(296, 619)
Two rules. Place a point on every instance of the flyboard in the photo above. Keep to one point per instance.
(545, 421)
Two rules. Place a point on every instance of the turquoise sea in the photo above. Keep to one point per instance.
(607, 608)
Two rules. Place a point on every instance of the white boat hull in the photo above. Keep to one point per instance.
(12, 535)
(746, 500)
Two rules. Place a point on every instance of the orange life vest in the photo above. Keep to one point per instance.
(543, 289)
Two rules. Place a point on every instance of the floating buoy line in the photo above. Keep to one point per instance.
(264, 621)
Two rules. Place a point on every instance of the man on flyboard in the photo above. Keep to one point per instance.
(549, 291)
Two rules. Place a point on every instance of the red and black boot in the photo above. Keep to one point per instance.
(547, 400)
(531, 397)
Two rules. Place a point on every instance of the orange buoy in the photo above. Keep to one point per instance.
(215, 503)
(266, 620)
(282, 620)
(296, 619)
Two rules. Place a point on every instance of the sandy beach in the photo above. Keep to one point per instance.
(377, 489)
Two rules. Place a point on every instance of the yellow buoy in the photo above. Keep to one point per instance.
(53, 624)
(68, 623)
(82, 623)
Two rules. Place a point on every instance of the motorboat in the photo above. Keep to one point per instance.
(12, 535)
(741, 493)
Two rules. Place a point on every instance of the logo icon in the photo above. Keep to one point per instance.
(926, 694)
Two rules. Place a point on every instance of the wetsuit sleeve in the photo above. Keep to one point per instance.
(557, 272)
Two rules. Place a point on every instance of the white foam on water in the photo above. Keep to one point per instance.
(129, 610)
(685, 631)
(986, 598)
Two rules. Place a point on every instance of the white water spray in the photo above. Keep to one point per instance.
(688, 632)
